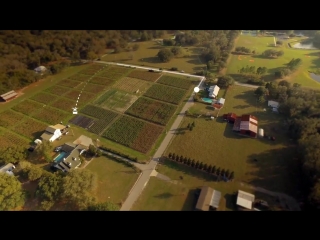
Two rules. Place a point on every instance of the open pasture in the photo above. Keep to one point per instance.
(82, 121)
(44, 97)
(183, 83)
(64, 104)
(145, 75)
(69, 83)
(310, 60)
(90, 87)
(57, 90)
(131, 132)
(99, 113)
(30, 128)
(8, 139)
(151, 110)
(28, 107)
(119, 101)
(51, 115)
(9, 118)
(102, 81)
(132, 85)
(165, 93)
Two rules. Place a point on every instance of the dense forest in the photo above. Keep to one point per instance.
(21, 51)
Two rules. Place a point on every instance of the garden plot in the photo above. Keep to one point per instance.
(69, 83)
(102, 81)
(57, 90)
(44, 97)
(64, 104)
(92, 88)
(51, 115)
(83, 99)
(175, 82)
(98, 112)
(30, 128)
(166, 93)
(118, 101)
(132, 85)
(28, 107)
(10, 118)
(151, 110)
(133, 133)
(79, 77)
(8, 140)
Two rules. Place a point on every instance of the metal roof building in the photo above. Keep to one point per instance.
(9, 95)
(245, 199)
(208, 198)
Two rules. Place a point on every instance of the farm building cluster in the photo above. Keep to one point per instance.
(246, 125)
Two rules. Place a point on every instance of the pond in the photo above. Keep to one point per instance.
(315, 77)
(309, 46)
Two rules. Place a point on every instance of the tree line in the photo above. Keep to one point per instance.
(21, 51)
(211, 169)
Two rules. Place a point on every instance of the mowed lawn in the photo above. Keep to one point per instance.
(114, 179)
(213, 142)
(310, 60)
(179, 194)
(146, 55)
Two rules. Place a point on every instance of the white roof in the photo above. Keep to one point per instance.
(40, 69)
(273, 104)
(213, 91)
(245, 199)
(7, 168)
(221, 101)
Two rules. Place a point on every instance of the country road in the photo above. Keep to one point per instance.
(149, 169)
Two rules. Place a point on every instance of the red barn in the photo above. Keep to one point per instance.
(230, 117)
(246, 125)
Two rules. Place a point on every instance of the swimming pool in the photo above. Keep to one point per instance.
(60, 157)
(207, 100)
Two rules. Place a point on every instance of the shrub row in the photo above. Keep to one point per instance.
(217, 171)
(119, 160)
(134, 159)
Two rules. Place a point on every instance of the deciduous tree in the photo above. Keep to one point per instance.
(11, 193)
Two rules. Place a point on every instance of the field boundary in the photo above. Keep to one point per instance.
(135, 183)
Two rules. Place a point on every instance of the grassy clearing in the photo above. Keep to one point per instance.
(177, 194)
(114, 179)
(146, 55)
(214, 142)
(310, 58)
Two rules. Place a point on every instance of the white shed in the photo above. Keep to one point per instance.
(261, 132)
(40, 69)
(245, 199)
(273, 104)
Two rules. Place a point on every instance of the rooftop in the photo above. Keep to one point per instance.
(8, 95)
(72, 159)
(208, 197)
(245, 199)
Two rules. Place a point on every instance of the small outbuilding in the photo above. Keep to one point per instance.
(273, 104)
(209, 198)
(8, 96)
(261, 132)
(245, 199)
(40, 69)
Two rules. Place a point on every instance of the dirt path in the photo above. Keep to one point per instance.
(223, 71)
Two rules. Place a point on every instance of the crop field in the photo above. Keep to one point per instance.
(105, 96)
(119, 101)
(44, 97)
(64, 104)
(98, 112)
(79, 77)
(144, 75)
(84, 96)
(8, 140)
(30, 128)
(175, 82)
(132, 85)
(152, 110)
(102, 81)
(100, 125)
(131, 132)
(28, 107)
(110, 75)
(92, 88)
(10, 118)
(57, 90)
(82, 121)
(69, 83)
(92, 69)
(51, 115)
(166, 93)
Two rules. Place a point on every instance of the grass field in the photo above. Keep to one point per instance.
(114, 179)
(146, 55)
(178, 194)
(310, 60)
(214, 142)
(118, 101)
(132, 85)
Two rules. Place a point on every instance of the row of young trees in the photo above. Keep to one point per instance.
(217, 171)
